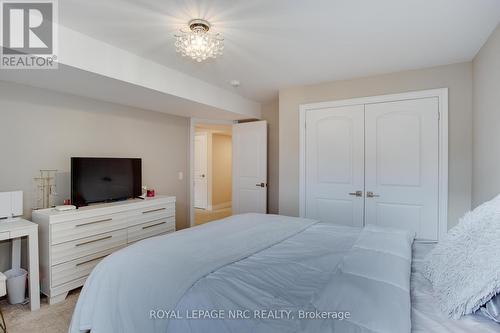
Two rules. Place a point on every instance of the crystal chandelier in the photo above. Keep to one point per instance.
(198, 43)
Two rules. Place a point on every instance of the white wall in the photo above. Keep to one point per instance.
(270, 113)
(486, 131)
(42, 129)
(458, 78)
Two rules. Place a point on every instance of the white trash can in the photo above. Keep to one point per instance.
(16, 285)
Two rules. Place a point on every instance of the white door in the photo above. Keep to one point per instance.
(200, 170)
(250, 167)
(402, 169)
(334, 165)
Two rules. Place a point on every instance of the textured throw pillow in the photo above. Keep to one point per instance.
(464, 267)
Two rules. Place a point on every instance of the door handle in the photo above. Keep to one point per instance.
(203, 176)
(357, 193)
(370, 194)
(154, 210)
(261, 184)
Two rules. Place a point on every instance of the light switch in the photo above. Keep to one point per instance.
(181, 175)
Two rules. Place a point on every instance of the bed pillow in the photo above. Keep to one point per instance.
(464, 267)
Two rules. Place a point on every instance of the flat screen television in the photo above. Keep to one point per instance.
(97, 179)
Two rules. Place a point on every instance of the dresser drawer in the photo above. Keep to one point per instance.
(152, 213)
(78, 268)
(152, 228)
(86, 246)
(81, 228)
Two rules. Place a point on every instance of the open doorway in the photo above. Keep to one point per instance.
(212, 172)
(241, 186)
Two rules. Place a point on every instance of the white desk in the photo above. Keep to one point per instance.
(14, 229)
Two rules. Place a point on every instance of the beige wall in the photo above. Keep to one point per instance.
(457, 77)
(270, 113)
(221, 169)
(41, 129)
(486, 130)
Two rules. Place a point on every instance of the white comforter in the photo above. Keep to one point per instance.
(260, 265)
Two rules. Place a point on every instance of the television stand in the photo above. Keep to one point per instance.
(73, 242)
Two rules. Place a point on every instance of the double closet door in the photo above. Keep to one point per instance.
(375, 164)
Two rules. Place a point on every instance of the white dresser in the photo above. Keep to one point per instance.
(73, 242)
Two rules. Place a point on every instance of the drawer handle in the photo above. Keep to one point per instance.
(100, 221)
(91, 260)
(153, 210)
(93, 241)
(153, 225)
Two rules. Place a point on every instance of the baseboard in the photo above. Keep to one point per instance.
(222, 205)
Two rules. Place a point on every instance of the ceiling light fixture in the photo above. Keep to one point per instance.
(198, 43)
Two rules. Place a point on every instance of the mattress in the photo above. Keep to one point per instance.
(426, 316)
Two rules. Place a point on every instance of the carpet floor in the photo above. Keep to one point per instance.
(49, 319)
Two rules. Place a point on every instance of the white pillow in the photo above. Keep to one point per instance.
(464, 267)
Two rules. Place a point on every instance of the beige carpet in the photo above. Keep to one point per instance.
(49, 319)
(204, 216)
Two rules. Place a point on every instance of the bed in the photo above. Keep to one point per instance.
(266, 273)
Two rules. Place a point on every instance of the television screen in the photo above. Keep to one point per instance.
(95, 179)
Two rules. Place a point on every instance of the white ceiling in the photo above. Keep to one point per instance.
(271, 44)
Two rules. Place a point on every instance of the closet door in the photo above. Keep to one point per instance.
(334, 165)
(401, 163)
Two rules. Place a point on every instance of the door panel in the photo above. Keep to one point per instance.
(398, 149)
(250, 167)
(334, 155)
(334, 165)
(200, 171)
(402, 142)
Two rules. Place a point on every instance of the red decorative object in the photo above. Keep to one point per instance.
(150, 193)
(67, 202)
